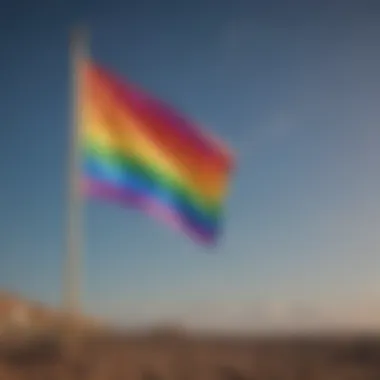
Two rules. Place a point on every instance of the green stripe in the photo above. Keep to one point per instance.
(133, 163)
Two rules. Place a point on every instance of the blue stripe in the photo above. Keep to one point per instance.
(122, 178)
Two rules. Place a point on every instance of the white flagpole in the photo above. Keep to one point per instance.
(75, 207)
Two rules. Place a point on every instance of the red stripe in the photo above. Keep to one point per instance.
(176, 134)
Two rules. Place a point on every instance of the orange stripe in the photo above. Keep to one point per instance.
(130, 133)
(191, 157)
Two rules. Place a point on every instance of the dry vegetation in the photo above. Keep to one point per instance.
(17, 313)
(170, 357)
(42, 354)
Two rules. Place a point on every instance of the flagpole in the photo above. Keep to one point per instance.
(75, 207)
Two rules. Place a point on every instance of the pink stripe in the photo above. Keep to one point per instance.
(149, 205)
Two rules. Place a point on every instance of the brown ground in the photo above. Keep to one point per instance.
(180, 357)
(168, 354)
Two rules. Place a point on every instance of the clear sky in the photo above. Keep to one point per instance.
(292, 86)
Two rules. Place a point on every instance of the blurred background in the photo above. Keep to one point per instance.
(291, 86)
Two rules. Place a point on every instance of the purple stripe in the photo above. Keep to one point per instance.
(150, 206)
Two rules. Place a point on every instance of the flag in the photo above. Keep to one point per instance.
(140, 152)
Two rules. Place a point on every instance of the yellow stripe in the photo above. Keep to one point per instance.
(111, 126)
(152, 156)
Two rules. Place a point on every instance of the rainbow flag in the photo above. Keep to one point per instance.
(139, 152)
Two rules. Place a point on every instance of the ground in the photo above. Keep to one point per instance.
(185, 357)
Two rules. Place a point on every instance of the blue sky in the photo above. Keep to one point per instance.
(292, 86)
